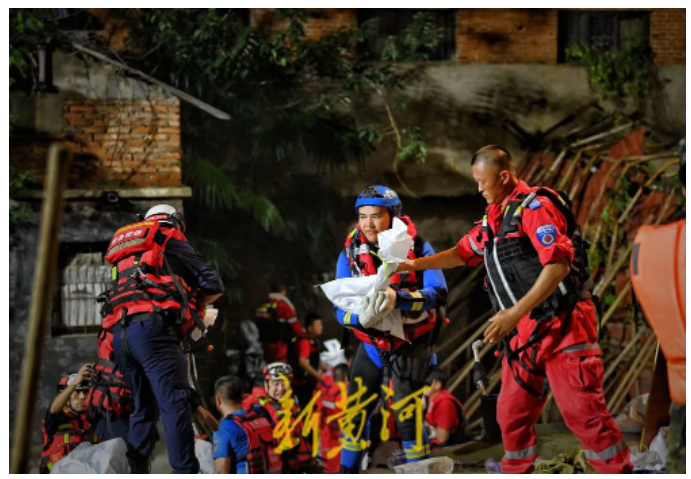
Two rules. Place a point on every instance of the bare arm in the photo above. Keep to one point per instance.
(444, 260)
(62, 398)
(504, 321)
(222, 465)
(305, 364)
(441, 435)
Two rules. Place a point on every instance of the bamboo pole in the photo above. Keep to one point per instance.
(599, 136)
(585, 172)
(647, 184)
(609, 275)
(469, 367)
(569, 171)
(600, 195)
(57, 168)
(615, 304)
(633, 375)
(452, 340)
(613, 366)
(633, 371)
(462, 347)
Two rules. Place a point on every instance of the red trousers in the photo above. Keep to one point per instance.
(575, 378)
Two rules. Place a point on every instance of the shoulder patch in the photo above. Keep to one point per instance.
(535, 204)
(546, 234)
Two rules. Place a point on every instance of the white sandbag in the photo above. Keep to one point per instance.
(204, 451)
(108, 457)
(433, 465)
(632, 415)
(334, 354)
(348, 294)
(659, 445)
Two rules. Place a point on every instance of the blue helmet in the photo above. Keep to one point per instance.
(376, 195)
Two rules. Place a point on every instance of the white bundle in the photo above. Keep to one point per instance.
(348, 294)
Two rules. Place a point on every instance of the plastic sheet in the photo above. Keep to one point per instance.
(334, 354)
(348, 294)
(108, 457)
(632, 415)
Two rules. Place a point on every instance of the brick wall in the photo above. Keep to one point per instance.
(510, 35)
(321, 22)
(668, 35)
(116, 144)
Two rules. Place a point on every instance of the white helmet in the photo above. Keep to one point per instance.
(166, 214)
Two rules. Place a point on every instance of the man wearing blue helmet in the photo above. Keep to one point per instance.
(381, 356)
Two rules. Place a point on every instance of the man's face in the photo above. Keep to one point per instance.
(434, 389)
(78, 401)
(316, 328)
(490, 182)
(372, 220)
(276, 388)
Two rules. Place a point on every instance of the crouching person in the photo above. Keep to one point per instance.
(244, 442)
(446, 415)
(65, 425)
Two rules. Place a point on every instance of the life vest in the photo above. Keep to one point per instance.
(272, 328)
(330, 437)
(68, 436)
(299, 374)
(143, 281)
(362, 263)
(456, 436)
(110, 394)
(513, 265)
(260, 457)
(658, 274)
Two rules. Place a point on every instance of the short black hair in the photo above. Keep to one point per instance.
(311, 318)
(230, 388)
(492, 155)
(439, 375)
(340, 372)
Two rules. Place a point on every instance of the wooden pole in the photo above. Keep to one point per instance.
(42, 294)
(633, 371)
(454, 338)
(613, 366)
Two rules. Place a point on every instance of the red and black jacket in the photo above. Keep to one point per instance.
(261, 456)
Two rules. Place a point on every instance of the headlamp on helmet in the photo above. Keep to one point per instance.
(166, 215)
(273, 371)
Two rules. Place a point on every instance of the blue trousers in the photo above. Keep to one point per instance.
(155, 367)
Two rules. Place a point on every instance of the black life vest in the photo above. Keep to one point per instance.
(143, 281)
(261, 456)
(513, 264)
(294, 356)
(271, 328)
(68, 435)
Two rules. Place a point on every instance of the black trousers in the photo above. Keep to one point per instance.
(408, 368)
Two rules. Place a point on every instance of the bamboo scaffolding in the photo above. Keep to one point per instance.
(469, 367)
(452, 340)
(600, 136)
(647, 184)
(642, 361)
(466, 344)
(475, 400)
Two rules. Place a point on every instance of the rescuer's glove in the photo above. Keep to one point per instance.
(375, 307)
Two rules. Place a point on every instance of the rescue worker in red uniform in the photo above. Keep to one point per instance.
(110, 398)
(160, 287)
(445, 413)
(536, 268)
(332, 390)
(277, 384)
(658, 275)
(65, 425)
(244, 442)
(303, 357)
(381, 356)
(278, 325)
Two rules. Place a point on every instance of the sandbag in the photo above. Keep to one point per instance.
(108, 457)
(204, 451)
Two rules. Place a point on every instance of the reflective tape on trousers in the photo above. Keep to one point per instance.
(581, 347)
(522, 454)
(606, 454)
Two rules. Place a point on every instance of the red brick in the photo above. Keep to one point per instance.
(71, 116)
(81, 108)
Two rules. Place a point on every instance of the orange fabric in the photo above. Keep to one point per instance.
(658, 274)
